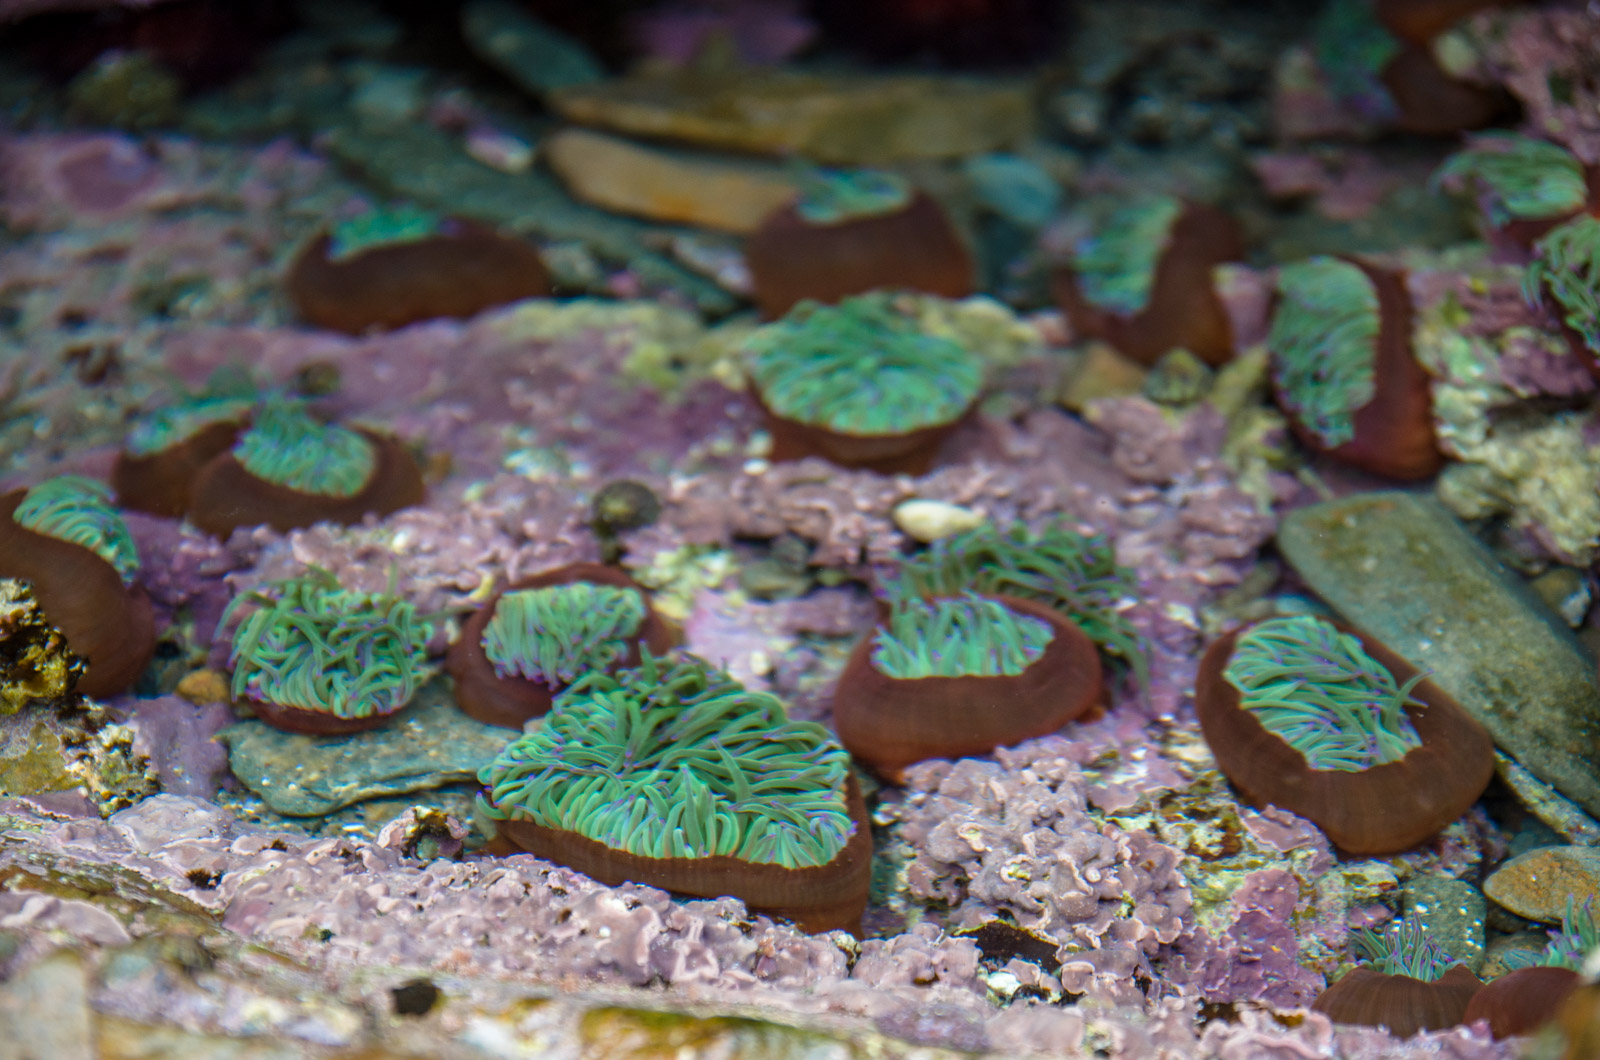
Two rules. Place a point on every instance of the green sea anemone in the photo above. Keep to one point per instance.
(1569, 945)
(1075, 573)
(310, 644)
(833, 196)
(1522, 178)
(958, 636)
(1323, 339)
(555, 634)
(77, 509)
(1116, 266)
(1567, 266)
(675, 759)
(289, 447)
(1352, 47)
(862, 368)
(1404, 949)
(1318, 690)
(176, 424)
(379, 227)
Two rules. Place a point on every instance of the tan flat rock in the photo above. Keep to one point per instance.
(838, 120)
(624, 177)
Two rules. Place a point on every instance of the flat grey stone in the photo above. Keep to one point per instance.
(427, 745)
(1405, 570)
(1452, 912)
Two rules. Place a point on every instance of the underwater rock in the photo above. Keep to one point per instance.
(834, 119)
(1540, 883)
(427, 745)
(614, 174)
(1401, 568)
(1452, 912)
(537, 56)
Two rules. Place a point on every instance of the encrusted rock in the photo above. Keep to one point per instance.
(1540, 883)
(35, 663)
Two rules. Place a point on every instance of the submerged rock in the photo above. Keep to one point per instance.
(1403, 569)
(427, 745)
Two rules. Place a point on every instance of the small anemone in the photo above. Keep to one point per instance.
(381, 227)
(676, 759)
(1316, 689)
(833, 196)
(960, 636)
(555, 634)
(288, 447)
(79, 510)
(176, 424)
(1566, 266)
(316, 657)
(861, 368)
(1410, 984)
(1520, 177)
(1116, 266)
(1405, 948)
(1352, 47)
(1323, 338)
(1073, 573)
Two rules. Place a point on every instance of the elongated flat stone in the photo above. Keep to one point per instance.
(1404, 569)
(428, 744)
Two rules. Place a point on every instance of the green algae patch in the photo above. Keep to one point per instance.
(33, 763)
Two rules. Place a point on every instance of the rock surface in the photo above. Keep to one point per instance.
(428, 744)
(614, 174)
(1406, 571)
(835, 119)
(1540, 883)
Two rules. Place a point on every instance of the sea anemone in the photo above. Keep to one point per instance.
(674, 775)
(1327, 723)
(962, 675)
(541, 633)
(1526, 998)
(1074, 573)
(1565, 273)
(311, 656)
(1343, 370)
(66, 540)
(853, 231)
(1142, 281)
(1525, 186)
(1378, 60)
(387, 268)
(1411, 985)
(290, 470)
(165, 451)
(860, 384)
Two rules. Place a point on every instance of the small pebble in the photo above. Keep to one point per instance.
(927, 521)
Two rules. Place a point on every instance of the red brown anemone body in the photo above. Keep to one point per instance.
(911, 453)
(1382, 810)
(458, 273)
(314, 722)
(1183, 310)
(512, 700)
(160, 482)
(110, 626)
(821, 898)
(914, 248)
(1401, 1003)
(889, 723)
(1394, 434)
(225, 496)
(1522, 1001)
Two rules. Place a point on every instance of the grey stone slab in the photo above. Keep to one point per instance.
(1405, 570)
(427, 745)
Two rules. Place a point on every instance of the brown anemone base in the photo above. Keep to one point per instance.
(510, 701)
(1183, 310)
(1394, 434)
(160, 482)
(108, 625)
(1382, 810)
(913, 248)
(889, 723)
(226, 496)
(911, 453)
(458, 273)
(1522, 1001)
(313, 722)
(1399, 1002)
(823, 898)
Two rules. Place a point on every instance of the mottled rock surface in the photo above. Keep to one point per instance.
(1540, 883)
